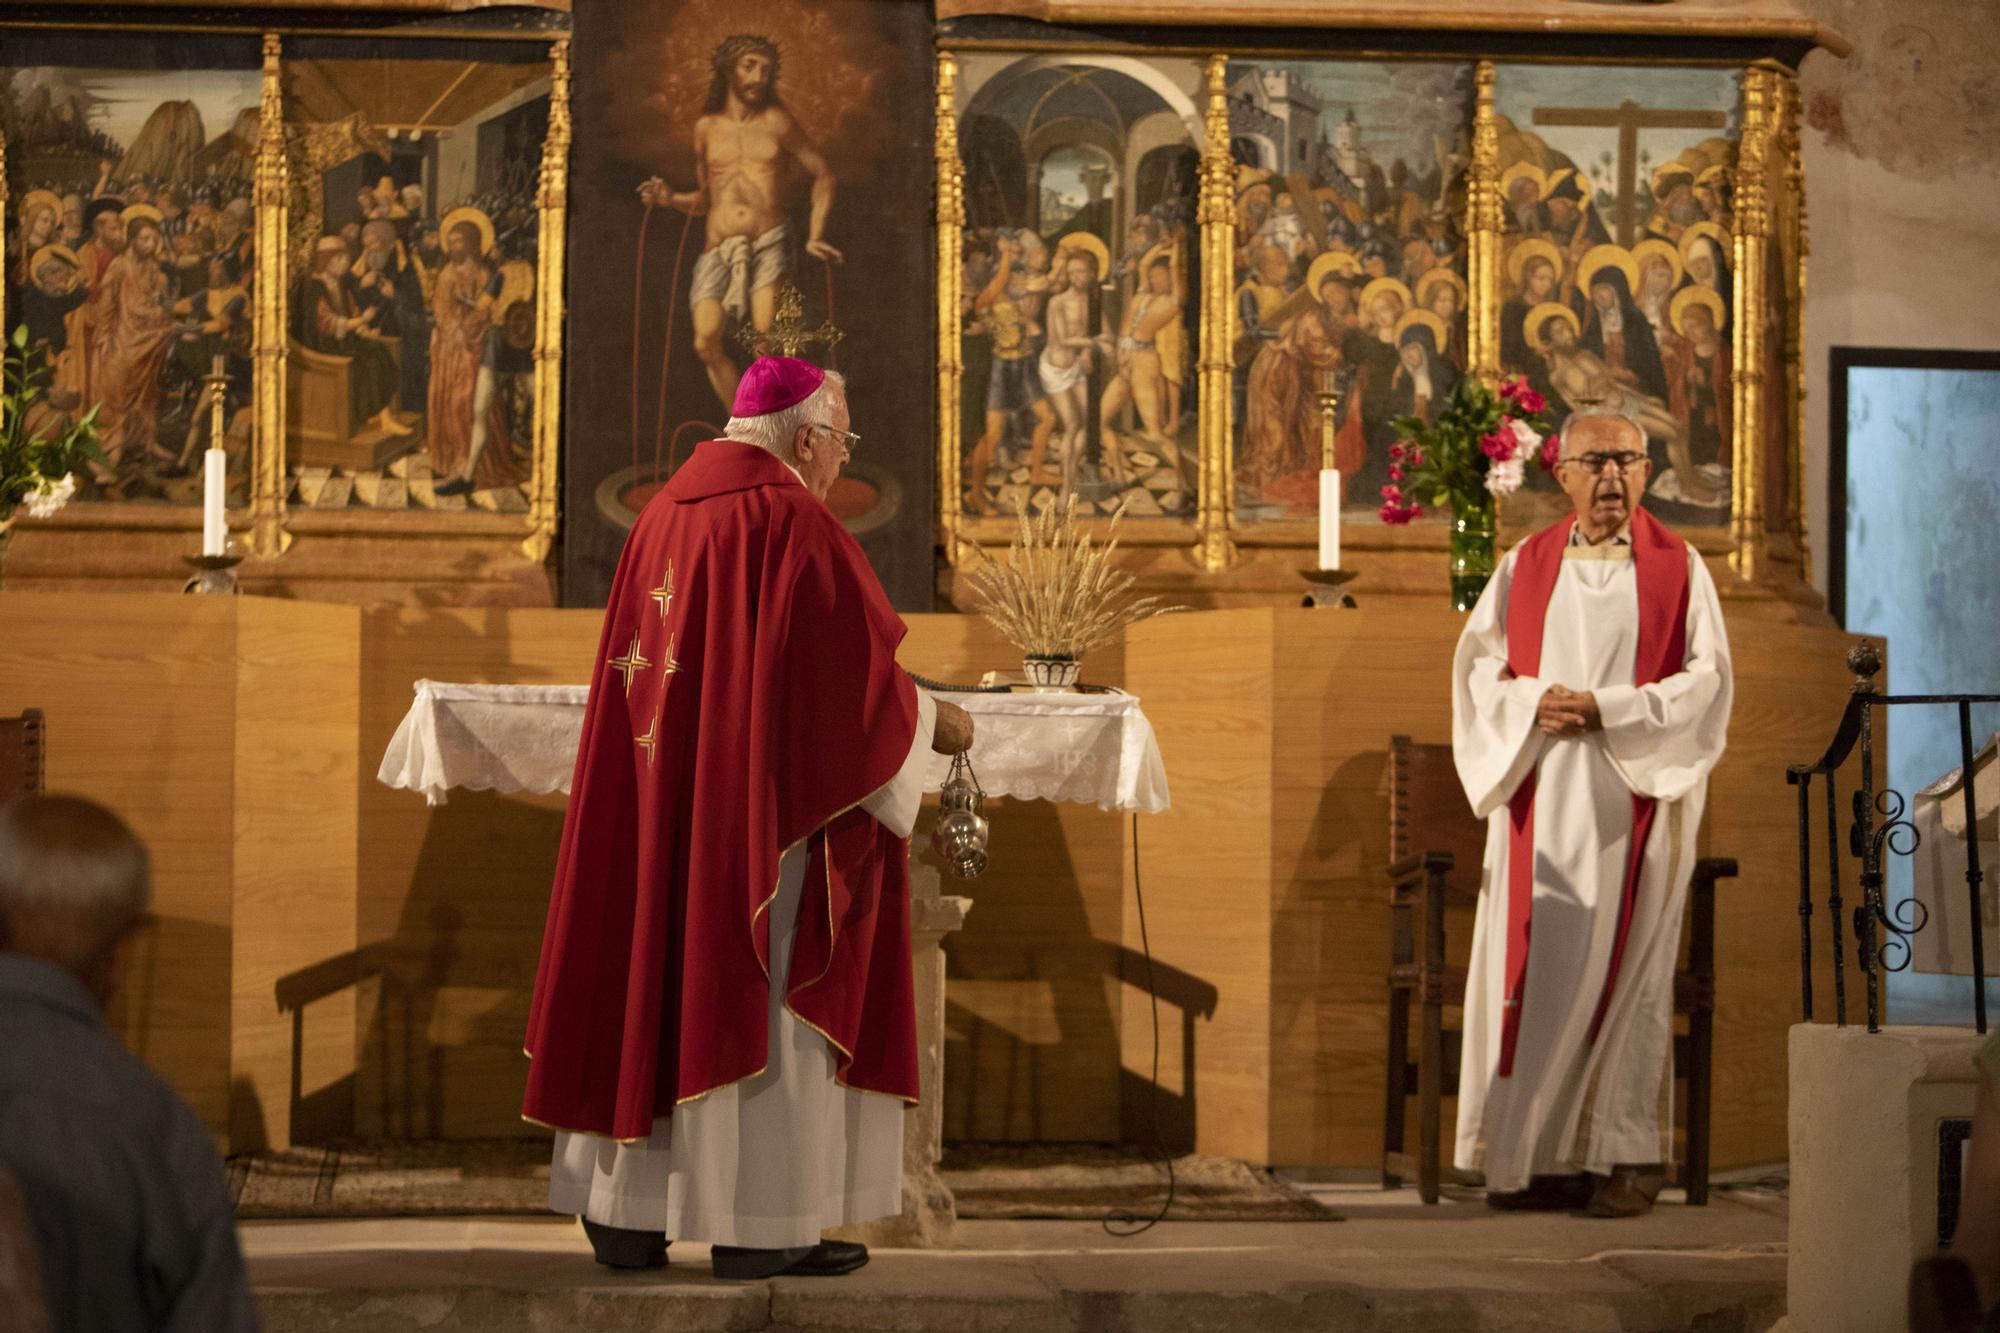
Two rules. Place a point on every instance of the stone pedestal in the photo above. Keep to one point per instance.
(1866, 1110)
(928, 1216)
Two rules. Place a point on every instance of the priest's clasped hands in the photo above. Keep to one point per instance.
(1567, 713)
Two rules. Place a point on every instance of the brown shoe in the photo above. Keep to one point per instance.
(1545, 1194)
(1628, 1191)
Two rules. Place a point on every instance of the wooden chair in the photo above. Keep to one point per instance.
(21, 755)
(318, 423)
(1436, 850)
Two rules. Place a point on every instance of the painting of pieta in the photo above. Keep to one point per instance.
(1350, 278)
(130, 259)
(414, 244)
(1616, 242)
(1081, 284)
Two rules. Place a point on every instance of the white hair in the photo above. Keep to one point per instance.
(774, 430)
(1602, 412)
(67, 853)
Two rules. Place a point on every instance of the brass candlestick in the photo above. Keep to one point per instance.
(215, 574)
(1329, 400)
(1328, 586)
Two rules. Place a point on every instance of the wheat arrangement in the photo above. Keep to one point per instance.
(1058, 595)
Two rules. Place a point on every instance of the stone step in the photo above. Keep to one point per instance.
(1395, 1266)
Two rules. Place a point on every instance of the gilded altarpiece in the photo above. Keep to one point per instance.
(1372, 229)
(355, 240)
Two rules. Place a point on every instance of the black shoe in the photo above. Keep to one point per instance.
(457, 486)
(829, 1258)
(621, 1247)
(738, 1263)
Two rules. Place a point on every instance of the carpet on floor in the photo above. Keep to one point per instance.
(503, 1177)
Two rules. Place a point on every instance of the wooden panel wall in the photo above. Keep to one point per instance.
(451, 900)
(298, 682)
(1031, 996)
(140, 696)
(241, 738)
(1207, 683)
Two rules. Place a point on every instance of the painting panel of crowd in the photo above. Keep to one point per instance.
(131, 245)
(1351, 274)
(1616, 284)
(749, 179)
(413, 238)
(1081, 284)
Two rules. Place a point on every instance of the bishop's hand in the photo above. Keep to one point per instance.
(953, 732)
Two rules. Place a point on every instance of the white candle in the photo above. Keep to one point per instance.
(215, 490)
(1329, 518)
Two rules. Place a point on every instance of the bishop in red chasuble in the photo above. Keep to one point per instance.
(1591, 700)
(723, 1030)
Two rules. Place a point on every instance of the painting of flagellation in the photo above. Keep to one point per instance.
(1081, 284)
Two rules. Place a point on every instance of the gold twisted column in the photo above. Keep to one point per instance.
(1483, 223)
(268, 537)
(1752, 234)
(552, 205)
(6, 330)
(1215, 514)
(950, 282)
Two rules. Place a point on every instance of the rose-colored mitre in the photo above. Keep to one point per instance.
(774, 383)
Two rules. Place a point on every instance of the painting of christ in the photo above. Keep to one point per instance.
(130, 254)
(737, 189)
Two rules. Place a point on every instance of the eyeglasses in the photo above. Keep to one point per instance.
(1625, 460)
(848, 438)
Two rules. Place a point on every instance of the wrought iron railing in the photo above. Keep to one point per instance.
(1879, 826)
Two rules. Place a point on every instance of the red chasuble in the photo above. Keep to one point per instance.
(1659, 561)
(746, 697)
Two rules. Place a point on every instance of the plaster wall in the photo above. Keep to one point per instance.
(1902, 158)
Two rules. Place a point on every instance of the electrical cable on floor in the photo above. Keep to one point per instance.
(1123, 1222)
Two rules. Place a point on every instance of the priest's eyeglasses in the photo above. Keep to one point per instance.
(848, 438)
(1595, 463)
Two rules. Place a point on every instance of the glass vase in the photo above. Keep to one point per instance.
(1472, 529)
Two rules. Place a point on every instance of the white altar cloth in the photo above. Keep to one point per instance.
(1094, 749)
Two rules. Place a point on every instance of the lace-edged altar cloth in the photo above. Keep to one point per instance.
(1092, 749)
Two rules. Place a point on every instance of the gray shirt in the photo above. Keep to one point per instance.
(129, 1200)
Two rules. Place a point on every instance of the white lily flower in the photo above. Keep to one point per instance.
(50, 496)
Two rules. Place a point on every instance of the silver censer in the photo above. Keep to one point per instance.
(961, 834)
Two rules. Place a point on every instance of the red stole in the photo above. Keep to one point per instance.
(746, 697)
(1659, 562)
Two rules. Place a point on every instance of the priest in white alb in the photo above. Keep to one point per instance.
(1591, 695)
